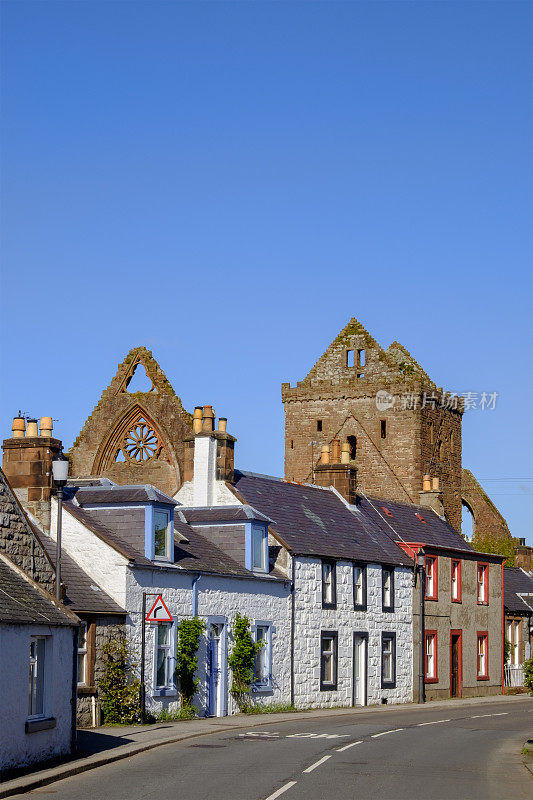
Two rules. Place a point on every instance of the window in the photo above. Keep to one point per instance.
(482, 655)
(352, 441)
(456, 581)
(319, 425)
(388, 660)
(431, 657)
(259, 548)
(359, 587)
(328, 660)
(292, 444)
(263, 659)
(482, 584)
(431, 578)
(350, 358)
(513, 637)
(161, 534)
(387, 589)
(37, 676)
(329, 585)
(361, 358)
(383, 428)
(164, 672)
(82, 654)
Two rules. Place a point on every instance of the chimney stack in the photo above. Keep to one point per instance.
(209, 456)
(431, 495)
(338, 471)
(335, 451)
(523, 556)
(27, 464)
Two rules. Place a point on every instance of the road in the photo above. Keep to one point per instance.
(463, 752)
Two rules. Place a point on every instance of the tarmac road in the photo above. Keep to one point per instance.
(468, 752)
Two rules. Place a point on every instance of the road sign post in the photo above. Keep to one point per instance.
(158, 613)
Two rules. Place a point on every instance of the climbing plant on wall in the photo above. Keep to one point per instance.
(242, 661)
(189, 633)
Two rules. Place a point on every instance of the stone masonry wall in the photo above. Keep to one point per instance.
(311, 619)
(19, 543)
(108, 627)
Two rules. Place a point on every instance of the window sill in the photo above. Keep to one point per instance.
(388, 685)
(84, 689)
(43, 724)
(262, 689)
(388, 609)
(456, 601)
(360, 608)
(165, 693)
(435, 599)
(328, 688)
(431, 680)
(329, 606)
(482, 602)
(483, 678)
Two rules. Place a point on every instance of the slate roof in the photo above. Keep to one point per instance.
(517, 581)
(103, 495)
(403, 523)
(82, 593)
(123, 529)
(213, 514)
(21, 603)
(314, 521)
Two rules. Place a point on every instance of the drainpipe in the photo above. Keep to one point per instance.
(195, 596)
(74, 702)
(421, 566)
(293, 614)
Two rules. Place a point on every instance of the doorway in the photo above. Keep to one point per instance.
(216, 669)
(456, 663)
(360, 669)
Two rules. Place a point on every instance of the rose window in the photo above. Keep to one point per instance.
(141, 443)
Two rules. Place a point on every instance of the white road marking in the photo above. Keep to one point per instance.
(281, 791)
(316, 764)
(479, 716)
(501, 714)
(375, 735)
(435, 722)
(317, 736)
(347, 746)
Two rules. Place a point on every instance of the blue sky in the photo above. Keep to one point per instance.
(229, 183)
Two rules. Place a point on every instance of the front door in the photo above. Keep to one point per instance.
(214, 669)
(359, 669)
(456, 658)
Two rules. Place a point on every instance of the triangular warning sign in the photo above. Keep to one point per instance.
(159, 612)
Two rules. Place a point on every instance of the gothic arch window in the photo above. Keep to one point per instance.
(135, 440)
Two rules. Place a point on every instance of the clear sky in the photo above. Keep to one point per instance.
(228, 183)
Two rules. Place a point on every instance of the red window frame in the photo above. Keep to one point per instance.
(482, 565)
(435, 577)
(435, 678)
(483, 635)
(459, 597)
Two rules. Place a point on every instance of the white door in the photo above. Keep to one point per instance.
(359, 670)
(214, 666)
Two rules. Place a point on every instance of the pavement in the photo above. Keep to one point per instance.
(309, 734)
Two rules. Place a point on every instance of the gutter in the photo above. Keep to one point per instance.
(74, 691)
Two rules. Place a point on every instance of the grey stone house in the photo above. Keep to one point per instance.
(518, 605)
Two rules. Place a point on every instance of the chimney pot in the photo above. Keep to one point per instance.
(46, 426)
(19, 428)
(335, 451)
(222, 424)
(197, 419)
(345, 453)
(426, 483)
(31, 428)
(435, 484)
(324, 454)
(208, 419)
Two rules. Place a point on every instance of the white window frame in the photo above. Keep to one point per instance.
(455, 569)
(38, 677)
(168, 538)
(170, 689)
(482, 655)
(265, 684)
(82, 651)
(254, 547)
(359, 586)
(430, 577)
(431, 661)
(482, 569)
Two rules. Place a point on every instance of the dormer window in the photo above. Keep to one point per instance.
(161, 534)
(257, 548)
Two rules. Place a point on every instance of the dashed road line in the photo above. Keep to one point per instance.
(347, 746)
(501, 714)
(375, 735)
(435, 722)
(281, 791)
(480, 716)
(316, 764)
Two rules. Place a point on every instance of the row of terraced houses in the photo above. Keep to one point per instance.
(351, 569)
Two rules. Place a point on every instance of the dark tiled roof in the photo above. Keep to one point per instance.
(516, 581)
(314, 521)
(21, 603)
(403, 523)
(215, 514)
(82, 593)
(124, 530)
(107, 495)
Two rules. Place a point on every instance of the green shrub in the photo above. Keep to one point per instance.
(189, 633)
(120, 690)
(271, 708)
(242, 661)
(528, 674)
